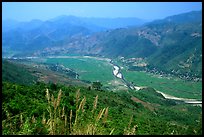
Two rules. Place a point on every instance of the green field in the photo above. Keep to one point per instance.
(172, 86)
(89, 69)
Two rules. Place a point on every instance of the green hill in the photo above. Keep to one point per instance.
(16, 73)
(30, 110)
(172, 45)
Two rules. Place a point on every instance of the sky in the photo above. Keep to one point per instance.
(26, 11)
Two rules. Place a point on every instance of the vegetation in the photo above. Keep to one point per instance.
(39, 109)
(87, 68)
(97, 85)
(79, 95)
(16, 73)
(60, 115)
(169, 85)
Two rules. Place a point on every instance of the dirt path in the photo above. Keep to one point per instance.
(145, 104)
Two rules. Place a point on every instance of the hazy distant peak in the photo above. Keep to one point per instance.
(189, 16)
(62, 17)
(9, 20)
(36, 20)
(192, 16)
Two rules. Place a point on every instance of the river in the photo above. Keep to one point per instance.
(117, 73)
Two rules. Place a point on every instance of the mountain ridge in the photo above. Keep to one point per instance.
(167, 43)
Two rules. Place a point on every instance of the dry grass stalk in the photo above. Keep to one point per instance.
(95, 103)
(21, 120)
(70, 119)
(91, 129)
(129, 131)
(76, 118)
(59, 97)
(100, 114)
(78, 107)
(77, 97)
(63, 112)
(133, 130)
(112, 131)
(54, 116)
(105, 115)
(44, 119)
(8, 115)
(48, 95)
(65, 121)
(88, 130)
(54, 102)
(82, 103)
(33, 119)
(130, 122)
(59, 110)
(74, 128)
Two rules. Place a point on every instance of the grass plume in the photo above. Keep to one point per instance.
(57, 121)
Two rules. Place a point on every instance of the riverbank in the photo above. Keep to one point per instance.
(117, 73)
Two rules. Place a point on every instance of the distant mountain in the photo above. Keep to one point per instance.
(179, 42)
(193, 16)
(113, 23)
(173, 44)
(10, 24)
(37, 35)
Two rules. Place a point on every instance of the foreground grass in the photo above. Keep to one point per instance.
(58, 122)
(39, 110)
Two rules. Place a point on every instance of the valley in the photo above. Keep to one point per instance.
(72, 75)
(125, 97)
(114, 77)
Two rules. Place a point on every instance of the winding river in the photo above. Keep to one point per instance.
(117, 73)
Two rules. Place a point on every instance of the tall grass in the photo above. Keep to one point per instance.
(59, 122)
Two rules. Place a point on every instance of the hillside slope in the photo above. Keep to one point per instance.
(101, 111)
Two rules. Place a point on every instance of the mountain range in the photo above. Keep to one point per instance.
(172, 44)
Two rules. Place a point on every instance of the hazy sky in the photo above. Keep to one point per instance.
(25, 11)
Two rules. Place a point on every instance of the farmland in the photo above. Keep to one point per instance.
(89, 69)
(175, 87)
(99, 69)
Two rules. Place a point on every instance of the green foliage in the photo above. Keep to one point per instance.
(165, 118)
(97, 85)
(16, 73)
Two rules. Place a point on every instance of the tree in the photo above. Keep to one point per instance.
(97, 85)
